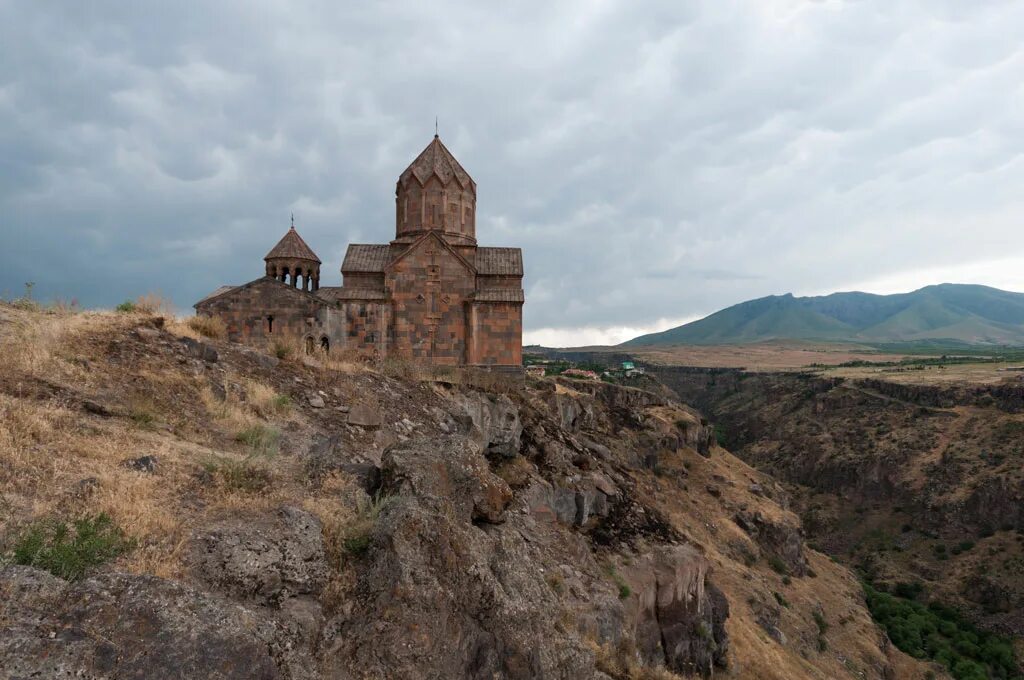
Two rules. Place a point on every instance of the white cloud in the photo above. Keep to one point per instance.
(596, 335)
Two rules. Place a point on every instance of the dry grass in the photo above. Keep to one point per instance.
(516, 472)
(34, 343)
(266, 402)
(154, 304)
(208, 326)
(56, 462)
(620, 662)
(337, 505)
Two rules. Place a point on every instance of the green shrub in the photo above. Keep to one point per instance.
(70, 551)
(355, 538)
(962, 546)
(357, 545)
(777, 565)
(720, 437)
(624, 590)
(781, 599)
(126, 307)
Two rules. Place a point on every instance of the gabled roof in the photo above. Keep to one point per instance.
(262, 281)
(436, 159)
(499, 261)
(444, 244)
(292, 246)
(219, 291)
(366, 257)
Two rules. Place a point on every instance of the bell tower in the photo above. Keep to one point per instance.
(435, 193)
(293, 262)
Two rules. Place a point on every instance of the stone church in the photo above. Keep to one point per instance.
(430, 294)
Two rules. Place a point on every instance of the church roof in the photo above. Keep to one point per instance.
(346, 293)
(374, 257)
(220, 291)
(292, 247)
(499, 261)
(366, 257)
(437, 159)
(499, 295)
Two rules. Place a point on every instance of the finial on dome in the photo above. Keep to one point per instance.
(435, 127)
(293, 220)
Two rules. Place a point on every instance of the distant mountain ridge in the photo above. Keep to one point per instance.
(958, 313)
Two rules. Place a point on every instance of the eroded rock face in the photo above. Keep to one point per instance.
(264, 561)
(126, 627)
(677, 614)
(496, 426)
(442, 597)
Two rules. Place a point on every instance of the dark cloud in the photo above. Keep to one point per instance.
(655, 162)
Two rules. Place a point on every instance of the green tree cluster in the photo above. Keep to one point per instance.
(939, 633)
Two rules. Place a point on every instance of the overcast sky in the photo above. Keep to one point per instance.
(655, 161)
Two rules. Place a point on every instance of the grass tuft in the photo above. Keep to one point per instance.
(355, 538)
(262, 440)
(244, 475)
(70, 551)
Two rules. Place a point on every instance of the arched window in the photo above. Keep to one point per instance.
(325, 344)
(309, 345)
(270, 325)
(299, 279)
(284, 274)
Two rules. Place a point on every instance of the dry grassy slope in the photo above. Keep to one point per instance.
(80, 393)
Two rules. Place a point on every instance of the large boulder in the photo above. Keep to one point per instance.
(263, 560)
(448, 474)
(126, 627)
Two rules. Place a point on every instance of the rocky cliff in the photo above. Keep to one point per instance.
(918, 484)
(303, 517)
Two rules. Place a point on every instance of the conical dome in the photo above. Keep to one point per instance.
(435, 193)
(436, 159)
(291, 246)
(294, 262)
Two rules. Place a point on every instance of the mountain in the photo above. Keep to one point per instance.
(949, 312)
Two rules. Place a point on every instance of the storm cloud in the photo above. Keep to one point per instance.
(655, 161)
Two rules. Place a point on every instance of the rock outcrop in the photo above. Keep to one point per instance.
(262, 560)
(676, 614)
(445, 592)
(126, 627)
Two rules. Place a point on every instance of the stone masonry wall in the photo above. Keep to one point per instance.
(496, 331)
(429, 286)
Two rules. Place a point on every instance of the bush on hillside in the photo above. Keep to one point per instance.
(939, 633)
(70, 551)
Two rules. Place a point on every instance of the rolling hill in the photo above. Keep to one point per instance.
(952, 313)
